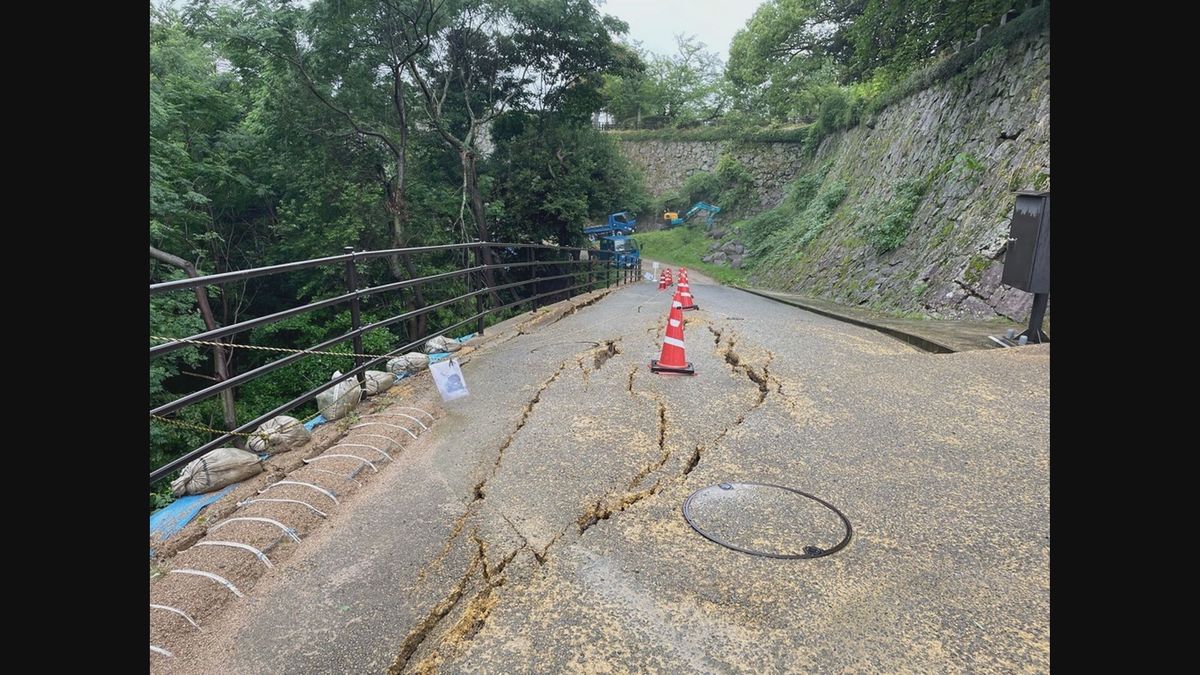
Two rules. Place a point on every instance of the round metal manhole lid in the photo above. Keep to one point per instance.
(767, 520)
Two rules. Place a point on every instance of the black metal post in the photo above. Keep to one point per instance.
(591, 274)
(479, 258)
(533, 273)
(355, 323)
(607, 262)
(1035, 333)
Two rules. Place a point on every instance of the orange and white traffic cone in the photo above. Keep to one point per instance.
(673, 358)
(670, 281)
(662, 280)
(684, 295)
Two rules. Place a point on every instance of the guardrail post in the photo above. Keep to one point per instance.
(533, 273)
(479, 258)
(607, 264)
(591, 274)
(355, 322)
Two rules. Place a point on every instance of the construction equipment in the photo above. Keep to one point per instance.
(621, 222)
(710, 211)
(621, 249)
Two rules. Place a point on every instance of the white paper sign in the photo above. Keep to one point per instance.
(448, 377)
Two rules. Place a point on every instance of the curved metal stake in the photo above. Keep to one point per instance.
(318, 488)
(245, 547)
(160, 650)
(423, 427)
(337, 455)
(384, 424)
(179, 612)
(360, 445)
(386, 438)
(372, 447)
(334, 473)
(285, 501)
(286, 530)
(210, 575)
(405, 407)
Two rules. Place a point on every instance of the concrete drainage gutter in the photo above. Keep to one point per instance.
(918, 341)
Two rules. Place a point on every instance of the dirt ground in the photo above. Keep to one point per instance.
(203, 599)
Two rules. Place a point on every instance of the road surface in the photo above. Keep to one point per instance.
(538, 527)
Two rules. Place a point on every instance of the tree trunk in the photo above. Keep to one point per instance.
(475, 200)
(220, 366)
(418, 324)
(399, 210)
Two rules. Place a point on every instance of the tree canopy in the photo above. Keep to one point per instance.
(282, 132)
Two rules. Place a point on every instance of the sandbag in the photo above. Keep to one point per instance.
(379, 381)
(221, 467)
(279, 434)
(442, 344)
(410, 363)
(337, 402)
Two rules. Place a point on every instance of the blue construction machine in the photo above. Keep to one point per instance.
(621, 249)
(710, 210)
(621, 222)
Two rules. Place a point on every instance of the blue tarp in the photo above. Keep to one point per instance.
(168, 520)
(439, 356)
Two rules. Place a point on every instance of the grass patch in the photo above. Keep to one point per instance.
(975, 268)
(886, 224)
(781, 236)
(685, 246)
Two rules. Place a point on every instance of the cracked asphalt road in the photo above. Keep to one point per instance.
(538, 528)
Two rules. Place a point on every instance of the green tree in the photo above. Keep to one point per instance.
(682, 89)
(553, 176)
(896, 36)
(779, 61)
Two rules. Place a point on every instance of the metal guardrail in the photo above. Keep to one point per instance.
(474, 271)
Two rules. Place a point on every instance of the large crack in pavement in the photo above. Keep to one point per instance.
(482, 601)
(442, 634)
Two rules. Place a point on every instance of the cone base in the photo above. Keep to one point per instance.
(685, 370)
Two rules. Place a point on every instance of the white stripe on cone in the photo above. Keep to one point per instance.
(674, 323)
(673, 342)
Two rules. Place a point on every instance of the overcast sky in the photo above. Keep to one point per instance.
(655, 22)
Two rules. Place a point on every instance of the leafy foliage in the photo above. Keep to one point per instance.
(830, 63)
(685, 246)
(680, 90)
(254, 160)
(885, 225)
(809, 205)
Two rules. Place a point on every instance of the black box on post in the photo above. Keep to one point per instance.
(1027, 262)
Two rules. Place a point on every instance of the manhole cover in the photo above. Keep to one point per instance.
(767, 520)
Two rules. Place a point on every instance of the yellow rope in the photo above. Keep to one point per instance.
(266, 349)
